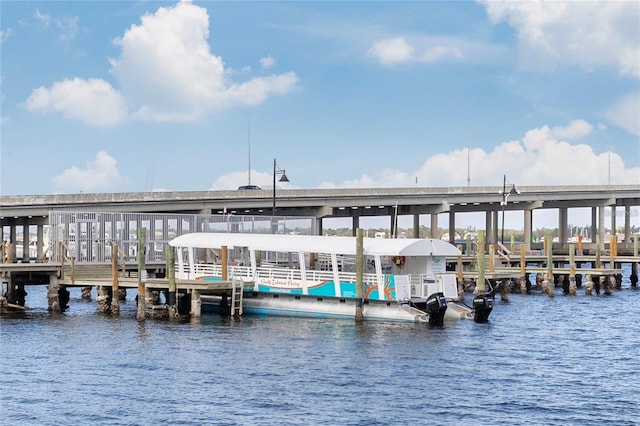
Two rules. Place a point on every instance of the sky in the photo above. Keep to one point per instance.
(124, 96)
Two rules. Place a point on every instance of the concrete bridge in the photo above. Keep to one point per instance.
(33, 210)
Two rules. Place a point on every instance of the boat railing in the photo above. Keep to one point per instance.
(293, 274)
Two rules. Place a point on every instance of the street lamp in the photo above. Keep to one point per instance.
(283, 178)
(503, 203)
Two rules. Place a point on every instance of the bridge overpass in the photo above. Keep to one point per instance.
(33, 210)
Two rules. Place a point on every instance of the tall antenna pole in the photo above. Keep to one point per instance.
(468, 167)
(249, 148)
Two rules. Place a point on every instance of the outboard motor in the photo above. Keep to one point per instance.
(436, 308)
(482, 306)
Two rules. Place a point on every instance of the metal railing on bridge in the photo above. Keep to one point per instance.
(87, 236)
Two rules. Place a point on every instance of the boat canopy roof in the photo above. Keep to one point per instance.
(317, 244)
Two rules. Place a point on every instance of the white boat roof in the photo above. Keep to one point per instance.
(318, 244)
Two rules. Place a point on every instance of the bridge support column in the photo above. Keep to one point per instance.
(452, 227)
(355, 224)
(562, 225)
(416, 225)
(627, 225)
(433, 230)
(613, 221)
(528, 224)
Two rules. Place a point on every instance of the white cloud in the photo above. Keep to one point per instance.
(430, 49)
(92, 101)
(235, 179)
(5, 34)
(165, 72)
(267, 62)
(575, 130)
(166, 68)
(44, 19)
(391, 51)
(100, 175)
(540, 157)
(586, 33)
(625, 113)
(67, 25)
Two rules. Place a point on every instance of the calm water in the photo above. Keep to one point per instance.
(552, 361)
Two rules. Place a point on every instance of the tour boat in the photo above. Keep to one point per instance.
(315, 276)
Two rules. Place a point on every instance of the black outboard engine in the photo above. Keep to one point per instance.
(482, 306)
(436, 307)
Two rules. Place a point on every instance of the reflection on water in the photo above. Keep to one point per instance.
(540, 360)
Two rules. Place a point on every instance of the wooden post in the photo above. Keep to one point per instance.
(142, 237)
(196, 304)
(612, 251)
(460, 277)
(115, 303)
(224, 260)
(359, 315)
(171, 275)
(492, 260)
(480, 287)
(579, 245)
(598, 260)
(572, 270)
(523, 268)
(549, 278)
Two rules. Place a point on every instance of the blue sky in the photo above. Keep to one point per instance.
(120, 96)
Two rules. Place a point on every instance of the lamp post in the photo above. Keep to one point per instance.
(283, 178)
(503, 203)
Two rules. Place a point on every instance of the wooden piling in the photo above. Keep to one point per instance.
(523, 269)
(103, 299)
(480, 287)
(549, 277)
(196, 304)
(224, 261)
(580, 245)
(171, 275)
(588, 285)
(492, 258)
(359, 314)
(142, 237)
(572, 270)
(460, 278)
(115, 285)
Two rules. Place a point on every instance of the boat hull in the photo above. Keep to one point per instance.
(259, 303)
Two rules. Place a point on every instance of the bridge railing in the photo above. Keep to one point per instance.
(88, 235)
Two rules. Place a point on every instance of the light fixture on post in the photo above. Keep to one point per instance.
(503, 203)
(283, 178)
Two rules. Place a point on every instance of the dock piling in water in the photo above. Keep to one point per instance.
(142, 236)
